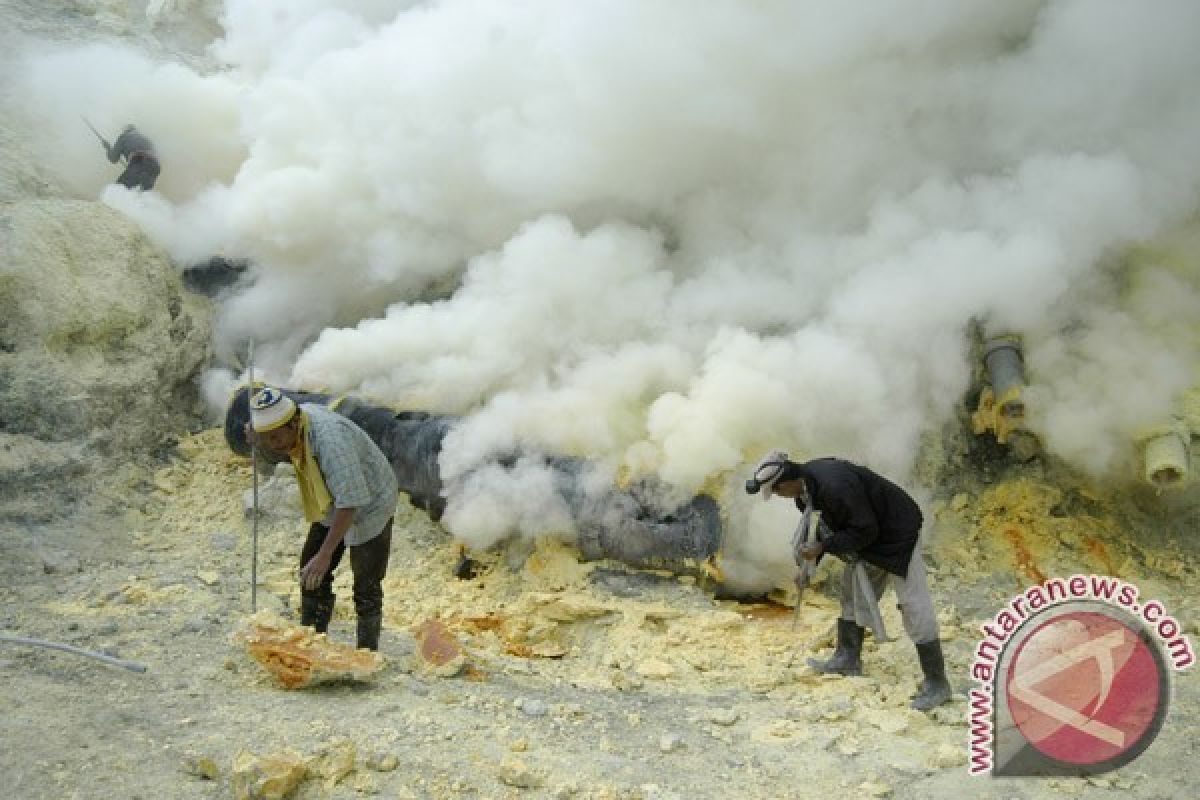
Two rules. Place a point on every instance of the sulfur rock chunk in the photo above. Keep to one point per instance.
(202, 767)
(334, 762)
(270, 777)
(296, 657)
(515, 772)
(438, 649)
(655, 668)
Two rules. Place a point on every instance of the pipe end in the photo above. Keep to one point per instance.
(1164, 477)
(1014, 409)
(1165, 458)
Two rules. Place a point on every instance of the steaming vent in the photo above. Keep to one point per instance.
(1165, 459)
(1001, 408)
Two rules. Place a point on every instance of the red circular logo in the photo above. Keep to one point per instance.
(1085, 688)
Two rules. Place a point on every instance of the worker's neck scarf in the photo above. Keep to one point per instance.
(314, 496)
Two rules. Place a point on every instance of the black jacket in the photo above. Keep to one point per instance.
(868, 515)
(131, 142)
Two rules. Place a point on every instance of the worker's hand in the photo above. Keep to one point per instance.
(812, 552)
(314, 571)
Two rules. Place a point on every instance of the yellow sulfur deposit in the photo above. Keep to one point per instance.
(270, 777)
(296, 657)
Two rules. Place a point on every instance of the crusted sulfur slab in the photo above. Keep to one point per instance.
(296, 657)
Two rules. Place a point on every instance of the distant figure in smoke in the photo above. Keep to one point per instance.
(872, 519)
(348, 492)
(141, 162)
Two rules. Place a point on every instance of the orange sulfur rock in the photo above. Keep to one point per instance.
(436, 644)
(297, 657)
(438, 649)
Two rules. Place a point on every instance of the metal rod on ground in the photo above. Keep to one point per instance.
(796, 622)
(795, 650)
(254, 491)
(132, 666)
(808, 531)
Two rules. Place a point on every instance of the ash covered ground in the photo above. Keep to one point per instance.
(580, 680)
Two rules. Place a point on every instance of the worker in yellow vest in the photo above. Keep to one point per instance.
(348, 492)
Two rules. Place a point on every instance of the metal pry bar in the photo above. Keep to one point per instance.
(254, 489)
(103, 141)
(807, 530)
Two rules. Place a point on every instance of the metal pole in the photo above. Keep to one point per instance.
(254, 483)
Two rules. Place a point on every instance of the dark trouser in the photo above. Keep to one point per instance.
(140, 173)
(368, 561)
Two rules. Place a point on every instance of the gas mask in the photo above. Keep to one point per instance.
(767, 473)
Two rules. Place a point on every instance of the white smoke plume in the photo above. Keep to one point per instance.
(666, 235)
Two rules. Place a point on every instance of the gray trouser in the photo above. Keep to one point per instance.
(912, 597)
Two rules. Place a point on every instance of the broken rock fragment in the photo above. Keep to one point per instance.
(269, 777)
(297, 657)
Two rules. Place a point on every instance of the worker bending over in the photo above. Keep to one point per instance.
(872, 520)
(348, 492)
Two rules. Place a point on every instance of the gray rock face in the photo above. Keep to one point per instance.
(99, 346)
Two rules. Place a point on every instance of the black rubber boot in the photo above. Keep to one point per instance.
(368, 632)
(847, 656)
(935, 689)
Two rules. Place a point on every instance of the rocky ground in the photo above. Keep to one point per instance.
(580, 680)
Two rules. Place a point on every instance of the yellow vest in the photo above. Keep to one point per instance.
(314, 495)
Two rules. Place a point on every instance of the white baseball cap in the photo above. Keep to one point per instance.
(270, 409)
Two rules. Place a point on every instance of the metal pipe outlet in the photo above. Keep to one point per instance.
(1165, 460)
(626, 525)
(1006, 371)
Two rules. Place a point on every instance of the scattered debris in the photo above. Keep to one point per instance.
(381, 762)
(723, 716)
(201, 766)
(59, 562)
(515, 772)
(269, 777)
(670, 742)
(334, 761)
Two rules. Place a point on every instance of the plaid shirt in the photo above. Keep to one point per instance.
(356, 472)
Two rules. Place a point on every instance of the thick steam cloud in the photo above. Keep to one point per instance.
(666, 236)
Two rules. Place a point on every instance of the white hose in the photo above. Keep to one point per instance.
(132, 666)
